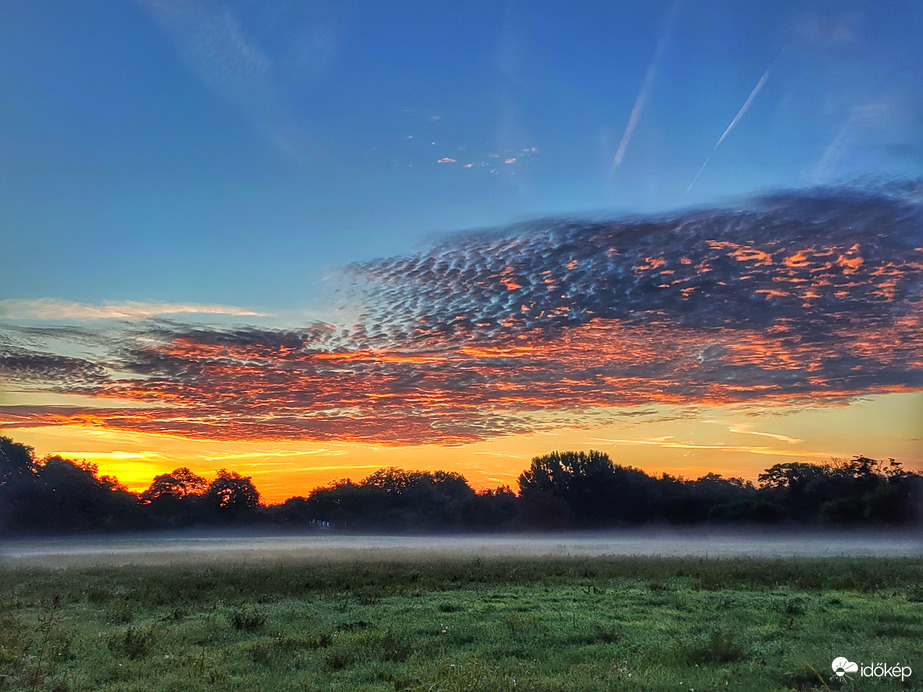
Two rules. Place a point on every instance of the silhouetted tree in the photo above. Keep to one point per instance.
(559, 490)
(17, 462)
(294, 512)
(851, 491)
(179, 483)
(897, 500)
(582, 482)
(493, 509)
(175, 499)
(542, 510)
(71, 497)
(594, 490)
(437, 500)
(396, 500)
(18, 486)
(799, 487)
(791, 476)
(392, 480)
(231, 494)
(564, 471)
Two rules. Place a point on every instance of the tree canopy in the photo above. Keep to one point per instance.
(559, 490)
(17, 461)
(231, 492)
(179, 483)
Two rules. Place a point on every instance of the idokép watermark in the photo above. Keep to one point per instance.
(844, 668)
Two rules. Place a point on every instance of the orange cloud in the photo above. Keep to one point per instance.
(485, 335)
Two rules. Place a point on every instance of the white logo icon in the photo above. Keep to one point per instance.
(841, 666)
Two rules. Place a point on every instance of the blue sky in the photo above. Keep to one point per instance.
(239, 152)
(235, 230)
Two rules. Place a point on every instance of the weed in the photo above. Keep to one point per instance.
(260, 653)
(133, 643)
(201, 663)
(356, 625)
(339, 658)
(803, 679)
(720, 647)
(175, 615)
(247, 620)
(597, 634)
(394, 648)
(53, 647)
(794, 606)
(322, 639)
(14, 642)
(367, 598)
(122, 614)
(96, 596)
(520, 624)
(606, 634)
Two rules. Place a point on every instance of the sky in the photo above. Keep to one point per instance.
(307, 240)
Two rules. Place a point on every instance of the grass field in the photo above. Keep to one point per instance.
(530, 624)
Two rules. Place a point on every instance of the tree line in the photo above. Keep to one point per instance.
(559, 491)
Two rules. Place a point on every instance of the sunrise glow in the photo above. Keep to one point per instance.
(260, 254)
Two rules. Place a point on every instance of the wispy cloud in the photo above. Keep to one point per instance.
(860, 117)
(56, 309)
(740, 114)
(267, 455)
(741, 430)
(116, 455)
(215, 46)
(671, 444)
(648, 84)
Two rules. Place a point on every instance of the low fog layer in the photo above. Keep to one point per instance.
(199, 550)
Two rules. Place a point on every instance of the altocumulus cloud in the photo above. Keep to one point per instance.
(811, 296)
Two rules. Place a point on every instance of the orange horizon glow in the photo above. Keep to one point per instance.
(732, 441)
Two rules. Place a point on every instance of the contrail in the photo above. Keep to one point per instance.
(743, 109)
(859, 116)
(646, 87)
(635, 114)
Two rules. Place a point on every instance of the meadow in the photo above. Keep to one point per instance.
(530, 623)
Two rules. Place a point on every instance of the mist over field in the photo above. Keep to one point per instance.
(211, 548)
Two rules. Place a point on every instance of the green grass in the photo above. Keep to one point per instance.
(531, 624)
